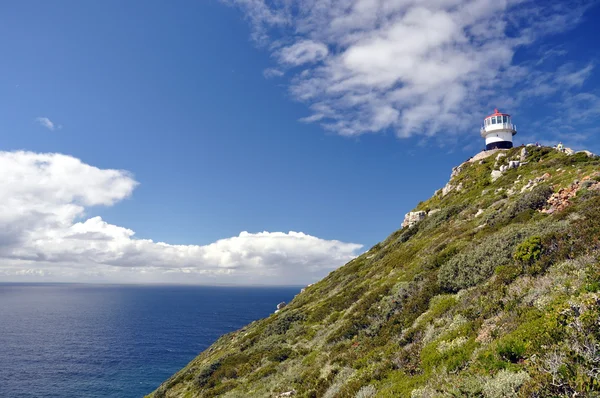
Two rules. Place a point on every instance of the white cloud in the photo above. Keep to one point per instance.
(417, 67)
(46, 235)
(272, 72)
(302, 52)
(47, 123)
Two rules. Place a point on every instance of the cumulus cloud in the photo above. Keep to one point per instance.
(47, 123)
(417, 67)
(302, 52)
(45, 234)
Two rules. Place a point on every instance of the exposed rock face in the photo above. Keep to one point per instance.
(483, 154)
(412, 218)
(562, 199)
(496, 174)
(514, 164)
(447, 189)
(533, 183)
(524, 154)
(588, 153)
(287, 393)
(281, 305)
(456, 171)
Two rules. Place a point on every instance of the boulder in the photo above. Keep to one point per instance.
(524, 154)
(456, 171)
(588, 153)
(513, 164)
(447, 189)
(281, 305)
(496, 174)
(412, 218)
(287, 393)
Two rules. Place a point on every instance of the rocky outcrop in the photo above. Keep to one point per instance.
(496, 174)
(281, 306)
(287, 393)
(524, 154)
(512, 164)
(562, 199)
(533, 183)
(412, 218)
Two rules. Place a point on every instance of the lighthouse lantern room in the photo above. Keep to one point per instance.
(498, 131)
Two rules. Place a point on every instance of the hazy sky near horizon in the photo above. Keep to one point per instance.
(261, 142)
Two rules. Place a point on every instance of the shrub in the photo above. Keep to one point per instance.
(505, 274)
(511, 349)
(522, 209)
(473, 265)
(529, 251)
(366, 392)
(280, 354)
(284, 322)
(534, 200)
(504, 384)
(205, 375)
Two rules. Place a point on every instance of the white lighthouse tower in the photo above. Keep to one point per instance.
(498, 131)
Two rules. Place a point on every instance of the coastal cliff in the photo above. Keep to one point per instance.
(490, 289)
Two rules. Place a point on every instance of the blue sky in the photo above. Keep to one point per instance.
(279, 116)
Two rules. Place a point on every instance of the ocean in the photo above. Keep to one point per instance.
(66, 340)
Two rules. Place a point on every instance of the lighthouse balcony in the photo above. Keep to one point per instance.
(497, 127)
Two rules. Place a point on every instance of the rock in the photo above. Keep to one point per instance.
(588, 153)
(496, 174)
(456, 171)
(432, 212)
(412, 218)
(569, 151)
(287, 393)
(447, 189)
(524, 154)
(281, 305)
(483, 154)
(500, 156)
(459, 187)
(562, 199)
(479, 212)
(513, 164)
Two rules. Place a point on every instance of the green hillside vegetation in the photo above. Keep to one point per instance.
(487, 297)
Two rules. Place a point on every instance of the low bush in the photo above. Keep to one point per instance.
(284, 322)
(204, 377)
(511, 349)
(528, 252)
(474, 265)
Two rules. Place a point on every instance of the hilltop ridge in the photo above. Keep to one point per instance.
(491, 290)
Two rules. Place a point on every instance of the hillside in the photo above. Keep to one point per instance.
(494, 291)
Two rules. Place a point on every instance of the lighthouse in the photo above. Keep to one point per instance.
(498, 131)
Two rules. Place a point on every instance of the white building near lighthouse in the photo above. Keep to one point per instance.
(498, 131)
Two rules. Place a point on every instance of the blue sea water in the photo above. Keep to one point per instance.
(63, 340)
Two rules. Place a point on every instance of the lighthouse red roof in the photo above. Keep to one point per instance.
(497, 113)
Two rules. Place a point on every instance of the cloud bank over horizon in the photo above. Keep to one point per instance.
(415, 67)
(46, 235)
